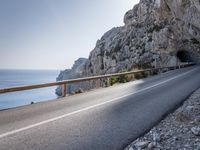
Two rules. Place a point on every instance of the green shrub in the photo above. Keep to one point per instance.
(113, 80)
(78, 91)
(123, 79)
(140, 75)
(119, 79)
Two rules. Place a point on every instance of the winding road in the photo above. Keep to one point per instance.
(103, 119)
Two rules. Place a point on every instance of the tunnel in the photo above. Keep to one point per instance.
(184, 56)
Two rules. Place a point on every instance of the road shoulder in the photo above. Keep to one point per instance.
(179, 130)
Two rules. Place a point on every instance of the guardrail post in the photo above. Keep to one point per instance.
(64, 90)
(108, 82)
(159, 71)
(148, 73)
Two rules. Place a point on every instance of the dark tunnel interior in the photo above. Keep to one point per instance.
(184, 56)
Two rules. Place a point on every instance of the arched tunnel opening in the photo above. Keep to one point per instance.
(184, 56)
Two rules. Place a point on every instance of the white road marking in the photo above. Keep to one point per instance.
(90, 107)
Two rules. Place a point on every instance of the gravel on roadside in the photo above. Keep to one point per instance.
(180, 130)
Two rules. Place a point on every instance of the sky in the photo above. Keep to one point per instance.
(52, 34)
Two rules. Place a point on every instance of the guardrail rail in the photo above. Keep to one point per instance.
(64, 83)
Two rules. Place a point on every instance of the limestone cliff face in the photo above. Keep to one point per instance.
(75, 72)
(168, 30)
(165, 30)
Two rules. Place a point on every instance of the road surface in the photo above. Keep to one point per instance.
(103, 119)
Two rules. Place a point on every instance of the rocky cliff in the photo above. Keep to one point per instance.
(162, 29)
(165, 30)
(75, 72)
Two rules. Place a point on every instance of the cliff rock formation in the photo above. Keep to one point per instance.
(165, 30)
(75, 72)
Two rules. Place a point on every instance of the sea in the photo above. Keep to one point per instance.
(13, 78)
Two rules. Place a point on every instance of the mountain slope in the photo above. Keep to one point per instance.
(165, 30)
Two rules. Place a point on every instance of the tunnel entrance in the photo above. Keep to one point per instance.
(184, 56)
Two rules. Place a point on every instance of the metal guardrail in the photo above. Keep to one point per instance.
(65, 82)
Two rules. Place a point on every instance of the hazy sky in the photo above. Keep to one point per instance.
(51, 34)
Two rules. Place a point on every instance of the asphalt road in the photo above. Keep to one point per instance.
(103, 119)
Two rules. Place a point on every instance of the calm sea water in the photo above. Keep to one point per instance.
(10, 78)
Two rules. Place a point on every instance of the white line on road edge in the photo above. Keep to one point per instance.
(90, 107)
